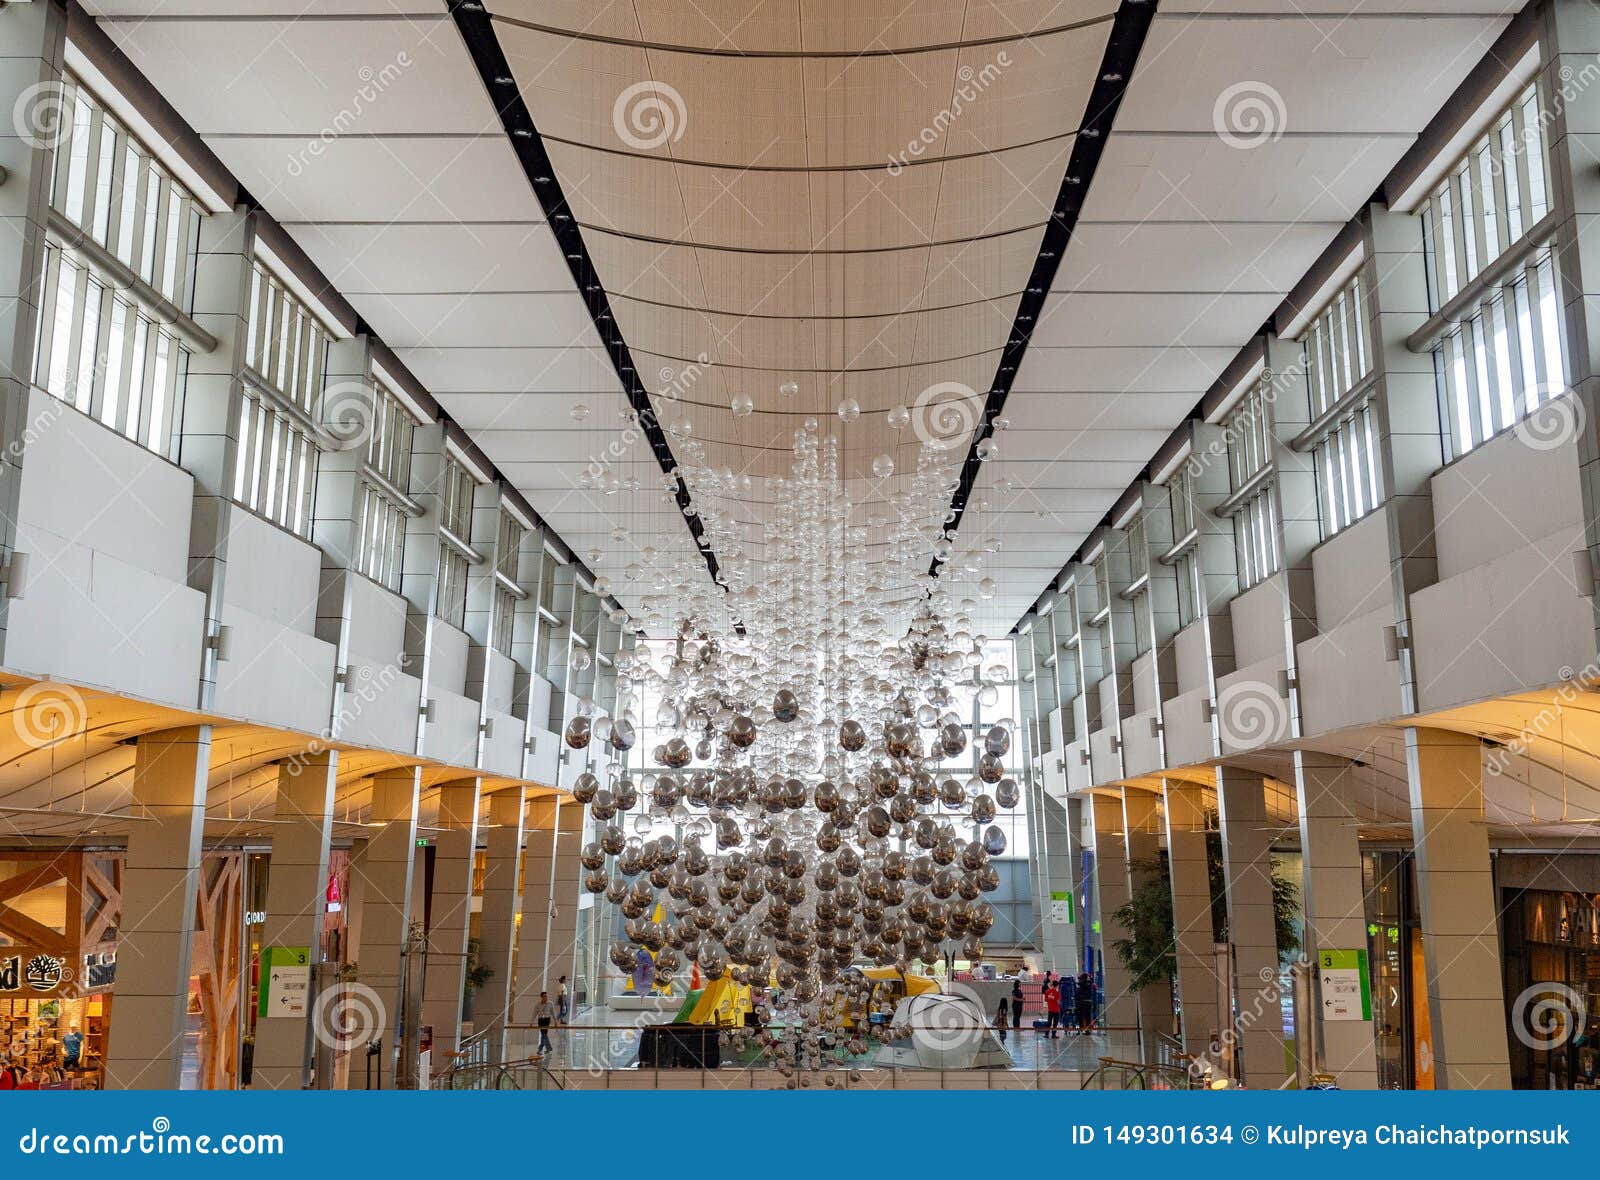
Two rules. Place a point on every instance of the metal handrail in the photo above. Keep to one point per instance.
(1139, 1075)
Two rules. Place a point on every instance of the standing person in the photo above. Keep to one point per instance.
(1052, 1010)
(1069, 1001)
(543, 1013)
(1085, 1005)
(1016, 1003)
(561, 1000)
(1000, 1018)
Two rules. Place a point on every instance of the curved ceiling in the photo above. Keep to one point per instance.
(850, 195)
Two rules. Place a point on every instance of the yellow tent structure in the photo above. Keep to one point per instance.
(721, 1002)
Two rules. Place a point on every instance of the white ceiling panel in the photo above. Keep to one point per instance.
(437, 258)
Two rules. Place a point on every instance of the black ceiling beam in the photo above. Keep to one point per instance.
(1128, 29)
(483, 44)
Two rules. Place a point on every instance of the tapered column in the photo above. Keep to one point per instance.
(450, 915)
(1142, 823)
(385, 869)
(296, 900)
(1334, 898)
(32, 43)
(1193, 935)
(549, 901)
(1460, 931)
(155, 937)
(1121, 1007)
(1058, 865)
(1252, 926)
(497, 936)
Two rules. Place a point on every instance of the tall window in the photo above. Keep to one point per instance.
(508, 549)
(1338, 362)
(1180, 493)
(1504, 360)
(106, 346)
(552, 656)
(456, 487)
(285, 355)
(1490, 201)
(1255, 517)
(1502, 356)
(1139, 577)
(385, 487)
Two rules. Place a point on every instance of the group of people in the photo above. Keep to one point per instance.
(1068, 1003)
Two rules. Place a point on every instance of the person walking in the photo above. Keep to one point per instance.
(1016, 1003)
(1068, 988)
(1052, 1010)
(1085, 1002)
(561, 1000)
(544, 1013)
(1000, 1018)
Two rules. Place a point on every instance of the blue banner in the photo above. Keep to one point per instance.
(812, 1134)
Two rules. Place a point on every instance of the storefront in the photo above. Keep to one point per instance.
(1551, 951)
(58, 964)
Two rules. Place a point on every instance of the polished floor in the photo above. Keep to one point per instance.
(601, 1038)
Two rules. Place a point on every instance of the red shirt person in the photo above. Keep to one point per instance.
(1052, 1009)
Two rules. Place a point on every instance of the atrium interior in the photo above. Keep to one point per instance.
(794, 544)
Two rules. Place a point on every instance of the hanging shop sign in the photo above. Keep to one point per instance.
(1346, 993)
(286, 973)
(32, 973)
(99, 971)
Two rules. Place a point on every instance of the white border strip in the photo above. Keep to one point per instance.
(475, 469)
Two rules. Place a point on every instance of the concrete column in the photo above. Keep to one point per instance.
(1059, 942)
(385, 869)
(1570, 42)
(32, 42)
(1190, 867)
(547, 948)
(1252, 929)
(1142, 825)
(450, 915)
(497, 929)
(212, 400)
(155, 943)
(296, 900)
(1295, 487)
(1411, 430)
(1460, 924)
(1121, 1007)
(1334, 898)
